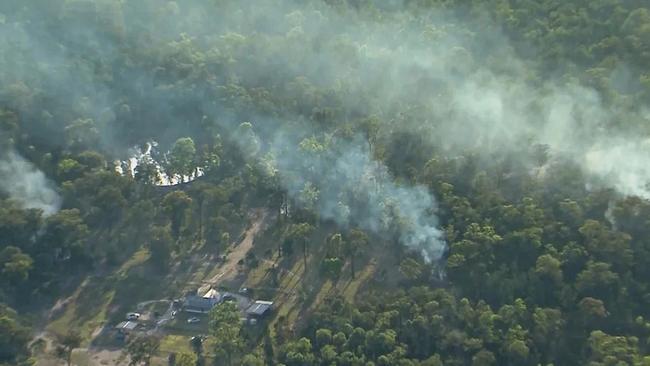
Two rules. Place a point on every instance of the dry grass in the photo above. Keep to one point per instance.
(86, 312)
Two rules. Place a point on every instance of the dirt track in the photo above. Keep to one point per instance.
(229, 269)
(226, 271)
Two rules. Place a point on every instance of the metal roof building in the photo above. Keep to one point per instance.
(259, 309)
(126, 326)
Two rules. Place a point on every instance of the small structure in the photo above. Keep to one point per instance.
(126, 326)
(259, 309)
(202, 303)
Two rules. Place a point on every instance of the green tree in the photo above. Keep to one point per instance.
(332, 268)
(606, 245)
(13, 337)
(196, 343)
(548, 271)
(549, 268)
(176, 204)
(15, 265)
(323, 337)
(186, 359)
(300, 234)
(548, 332)
(65, 235)
(141, 349)
(225, 328)
(356, 243)
(67, 344)
(147, 172)
(483, 358)
(607, 350)
(111, 202)
(160, 246)
(516, 345)
(69, 169)
(411, 269)
(92, 160)
(81, 133)
(252, 360)
(298, 353)
(598, 280)
(181, 159)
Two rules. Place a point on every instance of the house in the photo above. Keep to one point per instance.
(259, 309)
(195, 303)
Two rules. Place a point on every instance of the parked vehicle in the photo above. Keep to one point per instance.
(193, 320)
(132, 316)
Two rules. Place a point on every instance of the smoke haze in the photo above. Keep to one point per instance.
(454, 81)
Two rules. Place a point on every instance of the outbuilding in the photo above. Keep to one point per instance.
(126, 327)
(259, 309)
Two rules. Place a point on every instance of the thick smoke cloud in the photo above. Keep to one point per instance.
(454, 81)
(27, 185)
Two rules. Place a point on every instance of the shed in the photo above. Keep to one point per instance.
(259, 309)
(126, 326)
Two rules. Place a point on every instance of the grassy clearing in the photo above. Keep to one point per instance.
(258, 274)
(101, 300)
(288, 299)
(86, 312)
(175, 343)
(105, 300)
(322, 293)
(180, 326)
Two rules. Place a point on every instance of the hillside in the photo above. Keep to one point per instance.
(324, 182)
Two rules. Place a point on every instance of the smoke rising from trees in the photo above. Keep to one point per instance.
(27, 185)
(310, 70)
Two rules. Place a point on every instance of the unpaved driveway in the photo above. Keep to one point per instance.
(229, 269)
(226, 271)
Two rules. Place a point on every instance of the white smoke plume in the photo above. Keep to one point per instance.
(623, 164)
(455, 82)
(344, 184)
(27, 185)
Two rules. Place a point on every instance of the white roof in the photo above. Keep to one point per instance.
(211, 294)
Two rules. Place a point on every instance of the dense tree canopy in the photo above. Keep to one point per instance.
(479, 166)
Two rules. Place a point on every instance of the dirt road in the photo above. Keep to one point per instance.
(229, 269)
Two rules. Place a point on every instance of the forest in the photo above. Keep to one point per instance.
(420, 182)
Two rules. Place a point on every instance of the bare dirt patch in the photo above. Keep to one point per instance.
(230, 268)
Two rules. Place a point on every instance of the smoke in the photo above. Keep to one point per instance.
(27, 185)
(623, 164)
(305, 74)
(341, 181)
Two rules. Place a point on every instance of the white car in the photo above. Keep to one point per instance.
(193, 320)
(132, 316)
